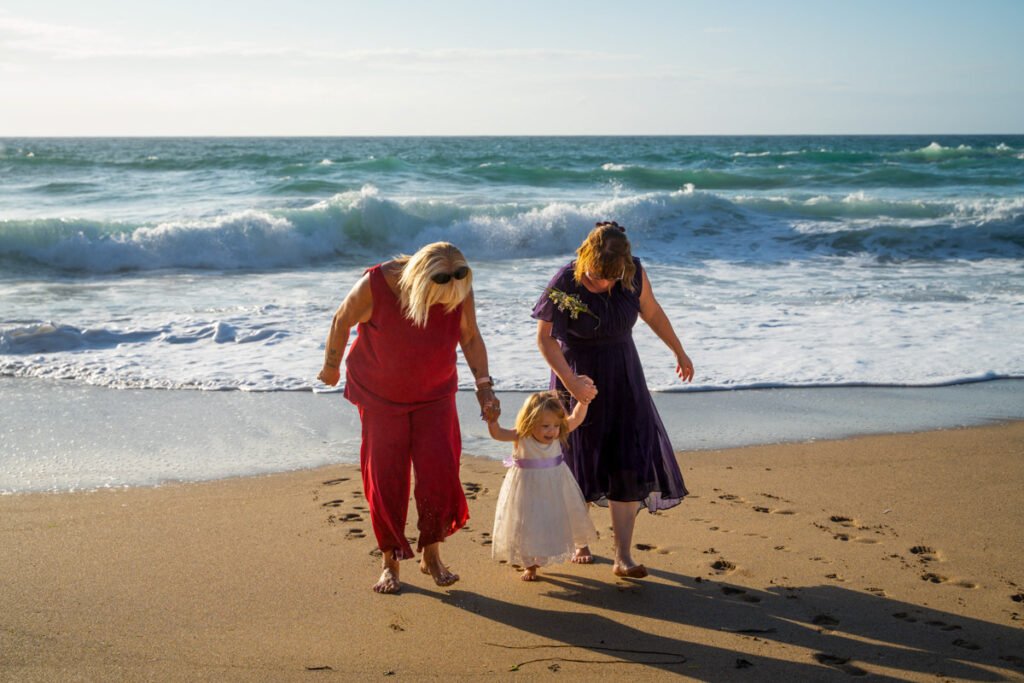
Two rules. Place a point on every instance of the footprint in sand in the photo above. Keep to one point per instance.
(841, 663)
(835, 577)
(645, 547)
(739, 592)
(724, 566)
(932, 577)
(1019, 597)
(942, 626)
(334, 482)
(855, 539)
(966, 644)
(350, 517)
(825, 620)
(472, 489)
(875, 590)
(925, 553)
(354, 533)
(333, 503)
(731, 497)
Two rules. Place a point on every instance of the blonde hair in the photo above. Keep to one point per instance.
(417, 292)
(535, 406)
(606, 253)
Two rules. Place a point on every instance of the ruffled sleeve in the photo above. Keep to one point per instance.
(545, 309)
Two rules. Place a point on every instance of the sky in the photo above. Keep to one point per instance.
(479, 67)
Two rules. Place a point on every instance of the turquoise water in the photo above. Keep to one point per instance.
(783, 261)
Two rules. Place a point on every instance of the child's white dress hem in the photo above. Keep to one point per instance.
(541, 517)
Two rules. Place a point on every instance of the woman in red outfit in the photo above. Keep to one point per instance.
(400, 372)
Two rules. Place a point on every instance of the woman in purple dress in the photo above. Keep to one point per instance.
(621, 455)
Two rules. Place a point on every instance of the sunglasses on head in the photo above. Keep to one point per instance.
(444, 278)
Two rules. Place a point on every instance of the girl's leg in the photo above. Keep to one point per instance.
(623, 521)
(440, 500)
(385, 464)
(583, 555)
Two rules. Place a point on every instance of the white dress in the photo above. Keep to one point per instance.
(541, 516)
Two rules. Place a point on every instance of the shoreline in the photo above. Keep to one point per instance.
(893, 555)
(96, 437)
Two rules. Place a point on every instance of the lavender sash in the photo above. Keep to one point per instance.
(535, 463)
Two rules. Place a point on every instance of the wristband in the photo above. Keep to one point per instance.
(481, 381)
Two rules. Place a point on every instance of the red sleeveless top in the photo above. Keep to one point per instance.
(395, 365)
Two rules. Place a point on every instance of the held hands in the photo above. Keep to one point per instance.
(582, 388)
(490, 406)
(330, 375)
(684, 367)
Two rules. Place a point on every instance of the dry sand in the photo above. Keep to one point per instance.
(896, 556)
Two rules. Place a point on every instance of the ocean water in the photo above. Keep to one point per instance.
(216, 264)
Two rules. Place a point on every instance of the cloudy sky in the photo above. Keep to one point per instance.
(382, 67)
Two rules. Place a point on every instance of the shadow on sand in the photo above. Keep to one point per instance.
(842, 629)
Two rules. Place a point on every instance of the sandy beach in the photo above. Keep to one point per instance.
(892, 556)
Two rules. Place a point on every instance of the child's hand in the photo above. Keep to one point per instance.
(582, 388)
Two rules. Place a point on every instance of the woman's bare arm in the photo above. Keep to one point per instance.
(580, 387)
(475, 352)
(652, 313)
(357, 307)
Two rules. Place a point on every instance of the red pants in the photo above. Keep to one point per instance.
(429, 440)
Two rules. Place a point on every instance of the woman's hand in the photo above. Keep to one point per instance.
(684, 367)
(582, 388)
(330, 375)
(490, 406)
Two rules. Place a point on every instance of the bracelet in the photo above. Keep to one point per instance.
(487, 379)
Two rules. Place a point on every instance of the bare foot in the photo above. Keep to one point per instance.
(388, 581)
(582, 556)
(431, 564)
(529, 574)
(637, 571)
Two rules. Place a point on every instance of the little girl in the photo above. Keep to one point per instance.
(541, 517)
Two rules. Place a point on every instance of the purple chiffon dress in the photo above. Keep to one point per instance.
(621, 451)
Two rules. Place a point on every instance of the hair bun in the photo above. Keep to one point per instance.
(610, 224)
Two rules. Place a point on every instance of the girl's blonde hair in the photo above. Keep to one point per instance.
(530, 414)
(417, 292)
(605, 253)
